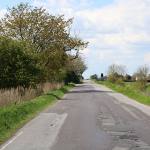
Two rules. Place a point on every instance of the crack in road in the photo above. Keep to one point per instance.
(125, 139)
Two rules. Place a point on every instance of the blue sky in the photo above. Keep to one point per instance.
(118, 30)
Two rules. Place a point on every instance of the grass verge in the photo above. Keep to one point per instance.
(14, 116)
(130, 90)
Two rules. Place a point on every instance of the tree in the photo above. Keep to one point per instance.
(48, 35)
(47, 38)
(77, 65)
(17, 68)
(94, 77)
(116, 72)
(142, 76)
(128, 77)
(74, 69)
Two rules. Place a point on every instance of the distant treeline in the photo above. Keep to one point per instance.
(117, 74)
(36, 47)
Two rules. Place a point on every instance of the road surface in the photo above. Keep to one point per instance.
(88, 118)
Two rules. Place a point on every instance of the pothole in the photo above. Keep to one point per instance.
(140, 145)
(120, 148)
(129, 137)
(117, 133)
(106, 120)
(124, 136)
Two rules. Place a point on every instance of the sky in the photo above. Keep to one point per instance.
(118, 31)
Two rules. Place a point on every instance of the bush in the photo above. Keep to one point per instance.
(115, 77)
(128, 78)
(120, 82)
(116, 73)
(17, 68)
(142, 76)
(94, 77)
(72, 77)
(141, 84)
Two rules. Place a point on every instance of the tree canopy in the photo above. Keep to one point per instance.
(42, 38)
(16, 66)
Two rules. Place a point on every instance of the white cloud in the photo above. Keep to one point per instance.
(147, 58)
(117, 32)
(2, 12)
(128, 20)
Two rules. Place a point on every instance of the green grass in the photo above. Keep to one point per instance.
(130, 90)
(14, 116)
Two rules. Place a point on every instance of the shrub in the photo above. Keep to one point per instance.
(116, 72)
(17, 67)
(72, 77)
(115, 77)
(141, 84)
(94, 77)
(120, 82)
(142, 76)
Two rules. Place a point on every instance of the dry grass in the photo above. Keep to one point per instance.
(16, 95)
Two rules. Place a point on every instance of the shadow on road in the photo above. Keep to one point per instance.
(90, 91)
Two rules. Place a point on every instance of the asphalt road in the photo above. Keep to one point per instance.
(88, 118)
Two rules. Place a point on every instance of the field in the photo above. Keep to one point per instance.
(130, 89)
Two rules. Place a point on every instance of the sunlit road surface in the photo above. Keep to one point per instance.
(88, 118)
